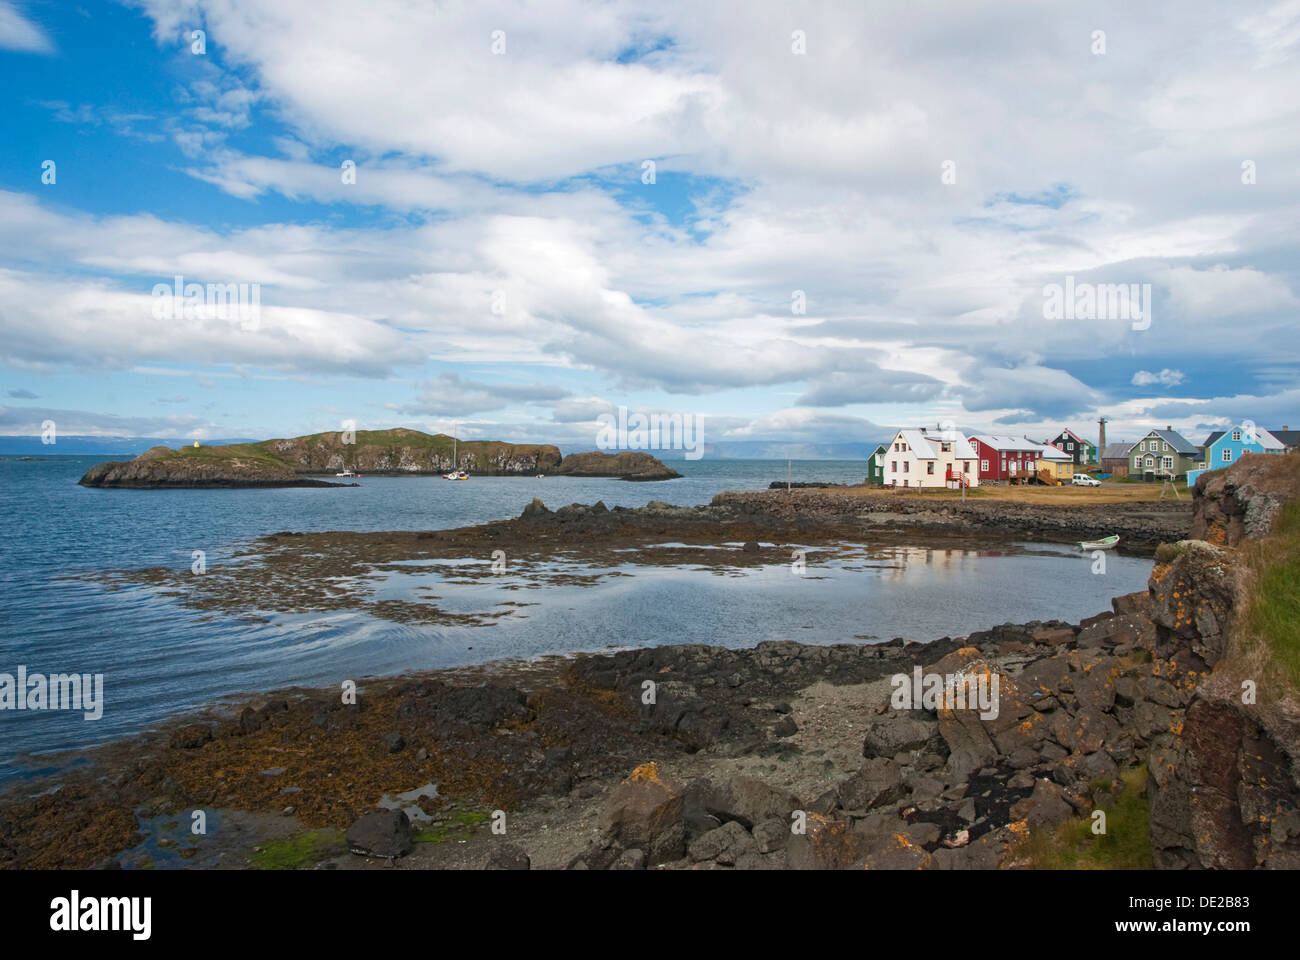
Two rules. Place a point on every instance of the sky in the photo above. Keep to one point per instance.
(805, 223)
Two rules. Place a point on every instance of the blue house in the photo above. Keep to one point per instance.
(1223, 448)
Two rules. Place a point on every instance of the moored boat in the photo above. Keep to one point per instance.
(1105, 543)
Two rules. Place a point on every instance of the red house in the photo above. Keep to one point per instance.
(1003, 459)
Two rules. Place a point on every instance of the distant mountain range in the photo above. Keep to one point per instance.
(775, 450)
(107, 446)
(726, 450)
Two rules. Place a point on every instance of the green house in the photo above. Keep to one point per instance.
(1081, 451)
(876, 465)
(1162, 454)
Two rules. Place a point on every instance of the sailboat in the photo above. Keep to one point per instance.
(456, 474)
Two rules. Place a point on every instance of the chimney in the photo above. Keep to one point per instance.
(1170, 429)
(1101, 437)
(1285, 427)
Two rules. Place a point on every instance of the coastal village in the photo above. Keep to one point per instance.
(943, 457)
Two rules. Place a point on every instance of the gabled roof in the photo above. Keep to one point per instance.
(1076, 436)
(1265, 439)
(1176, 440)
(1118, 450)
(1006, 443)
(916, 440)
(923, 443)
(1288, 438)
(1048, 452)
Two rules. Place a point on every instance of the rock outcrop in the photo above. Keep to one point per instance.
(398, 452)
(628, 465)
(1225, 779)
(154, 470)
(1243, 501)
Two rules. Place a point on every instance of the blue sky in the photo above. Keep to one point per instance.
(835, 242)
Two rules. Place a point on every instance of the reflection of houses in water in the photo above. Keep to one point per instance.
(942, 559)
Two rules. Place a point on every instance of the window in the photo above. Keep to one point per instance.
(1137, 463)
(1151, 461)
(965, 466)
(1069, 445)
(929, 468)
(904, 483)
(946, 447)
(1236, 436)
(1227, 454)
(984, 466)
(893, 466)
(1168, 463)
(906, 464)
(1143, 446)
(1166, 448)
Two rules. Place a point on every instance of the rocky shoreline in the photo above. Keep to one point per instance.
(784, 755)
(736, 746)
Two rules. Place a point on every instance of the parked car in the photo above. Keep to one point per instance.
(1083, 480)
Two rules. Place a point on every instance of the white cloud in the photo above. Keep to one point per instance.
(1166, 377)
(19, 33)
(921, 296)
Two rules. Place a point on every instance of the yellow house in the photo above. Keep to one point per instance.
(1055, 466)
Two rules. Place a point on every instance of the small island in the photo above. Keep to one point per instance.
(301, 461)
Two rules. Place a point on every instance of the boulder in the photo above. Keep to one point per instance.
(1043, 809)
(646, 811)
(826, 845)
(879, 782)
(896, 733)
(383, 833)
(724, 845)
(746, 801)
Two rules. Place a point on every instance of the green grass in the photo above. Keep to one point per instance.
(458, 826)
(1275, 606)
(1169, 552)
(1126, 844)
(261, 450)
(297, 851)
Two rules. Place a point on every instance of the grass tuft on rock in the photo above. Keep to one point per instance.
(1275, 602)
(1126, 844)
